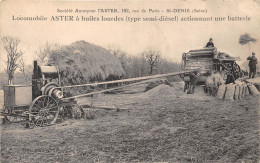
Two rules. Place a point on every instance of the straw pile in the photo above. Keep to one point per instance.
(82, 62)
(158, 91)
(157, 82)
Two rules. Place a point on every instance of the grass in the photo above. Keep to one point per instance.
(163, 128)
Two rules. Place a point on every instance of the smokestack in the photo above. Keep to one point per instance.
(35, 69)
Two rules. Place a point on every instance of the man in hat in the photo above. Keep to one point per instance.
(210, 43)
(252, 65)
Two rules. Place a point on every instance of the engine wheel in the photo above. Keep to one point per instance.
(44, 110)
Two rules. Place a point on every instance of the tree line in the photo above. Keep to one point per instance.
(147, 62)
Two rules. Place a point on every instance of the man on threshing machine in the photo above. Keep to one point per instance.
(210, 43)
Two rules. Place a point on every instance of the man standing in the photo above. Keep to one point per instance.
(210, 43)
(252, 65)
(193, 80)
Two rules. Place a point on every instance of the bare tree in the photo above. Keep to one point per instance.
(115, 51)
(25, 69)
(167, 66)
(152, 57)
(13, 56)
(44, 52)
(143, 66)
(246, 39)
(21, 65)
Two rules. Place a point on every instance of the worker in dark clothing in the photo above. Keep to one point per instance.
(193, 80)
(210, 43)
(252, 65)
(230, 78)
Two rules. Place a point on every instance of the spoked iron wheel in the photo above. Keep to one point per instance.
(44, 110)
(12, 116)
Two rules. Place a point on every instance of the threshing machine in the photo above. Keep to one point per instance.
(208, 60)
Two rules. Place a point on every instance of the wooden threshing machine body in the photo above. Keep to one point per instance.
(208, 60)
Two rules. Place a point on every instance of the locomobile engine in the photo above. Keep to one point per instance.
(45, 79)
(37, 102)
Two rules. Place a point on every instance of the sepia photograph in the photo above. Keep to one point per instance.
(129, 81)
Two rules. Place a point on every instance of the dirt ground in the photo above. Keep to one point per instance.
(163, 125)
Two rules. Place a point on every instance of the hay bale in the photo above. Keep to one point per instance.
(247, 90)
(252, 89)
(221, 91)
(237, 92)
(231, 89)
(240, 87)
(82, 62)
(241, 90)
(244, 90)
(255, 81)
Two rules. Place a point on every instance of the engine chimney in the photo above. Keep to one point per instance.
(35, 70)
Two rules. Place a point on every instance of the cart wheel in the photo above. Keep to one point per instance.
(11, 116)
(44, 110)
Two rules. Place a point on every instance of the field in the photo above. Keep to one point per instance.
(161, 125)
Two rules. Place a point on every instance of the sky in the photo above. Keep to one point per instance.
(171, 38)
